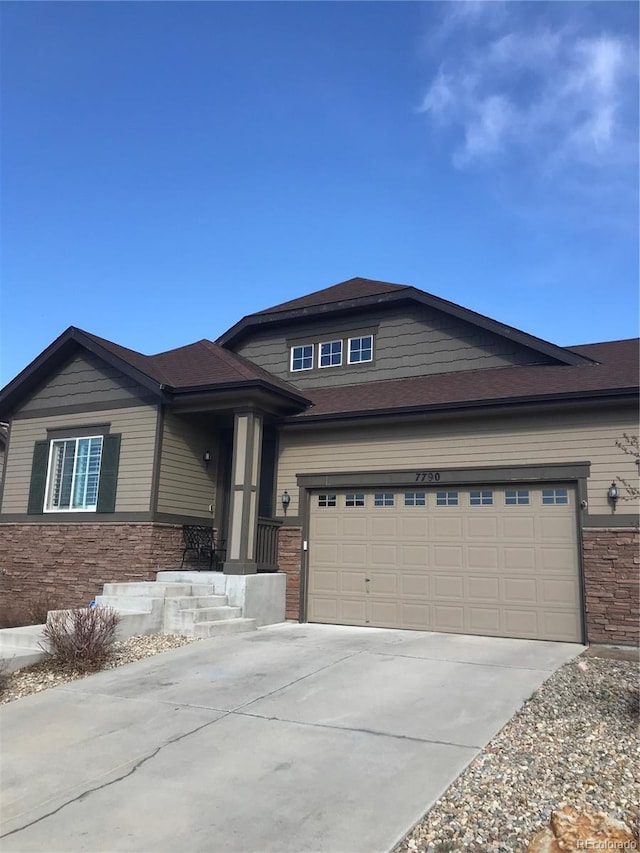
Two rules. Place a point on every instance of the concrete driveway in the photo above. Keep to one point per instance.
(292, 738)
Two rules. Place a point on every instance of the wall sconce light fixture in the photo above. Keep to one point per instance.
(206, 458)
(612, 493)
(286, 500)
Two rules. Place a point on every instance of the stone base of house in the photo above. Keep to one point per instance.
(612, 585)
(289, 560)
(68, 564)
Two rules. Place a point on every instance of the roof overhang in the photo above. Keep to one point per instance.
(262, 321)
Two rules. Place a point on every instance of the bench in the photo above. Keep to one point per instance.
(202, 540)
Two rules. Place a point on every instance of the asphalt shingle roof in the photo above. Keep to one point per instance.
(617, 369)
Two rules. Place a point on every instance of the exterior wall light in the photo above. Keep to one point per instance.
(206, 458)
(286, 500)
(612, 493)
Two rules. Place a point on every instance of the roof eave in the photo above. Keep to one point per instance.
(463, 405)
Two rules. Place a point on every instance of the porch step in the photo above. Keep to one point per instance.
(152, 589)
(224, 626)
(195, 602)
(209, 614)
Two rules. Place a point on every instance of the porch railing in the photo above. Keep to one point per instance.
(267, 544)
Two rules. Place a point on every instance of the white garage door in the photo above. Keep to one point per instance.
(497, 561)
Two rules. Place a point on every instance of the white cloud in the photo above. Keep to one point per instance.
(508, 85)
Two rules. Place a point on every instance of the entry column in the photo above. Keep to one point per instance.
(243, 504)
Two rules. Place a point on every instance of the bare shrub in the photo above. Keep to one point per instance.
(81, 638)
(30, 610)
(4, 676)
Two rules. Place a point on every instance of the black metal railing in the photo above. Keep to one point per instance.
(267, 544)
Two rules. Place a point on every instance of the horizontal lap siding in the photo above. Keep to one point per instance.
(522, 440)
(185, 485)
(408, 342)
(137, 427)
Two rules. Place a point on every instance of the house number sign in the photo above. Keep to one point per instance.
(427, 476)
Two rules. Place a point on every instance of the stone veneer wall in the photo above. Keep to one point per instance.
(289, 558)
(69, 563)
(612, 585)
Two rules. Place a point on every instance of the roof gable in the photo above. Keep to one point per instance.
(357, 294)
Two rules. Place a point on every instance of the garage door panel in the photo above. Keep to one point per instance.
(414, 526)
(448, 618)
(523, 590)
(485, 567)
(483, 588)
(447, 556)
(484, 620)
(482, 527)
(414, 585)
(355, 554)
(448, 586)
(383, 555)
(414, 556)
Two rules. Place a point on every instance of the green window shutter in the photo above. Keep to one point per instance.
(38, 478)
(108, 473)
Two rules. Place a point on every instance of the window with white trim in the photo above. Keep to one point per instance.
(516, 497)
(354, 499)
(446, 499)
(555, 496)
(415, 498)
(73, 474)
(331, 354)
(326, 500)
(383, 499)
(302, 357)
(480, 498)
(360, 349)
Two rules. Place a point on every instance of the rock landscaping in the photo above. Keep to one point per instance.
(574, 743)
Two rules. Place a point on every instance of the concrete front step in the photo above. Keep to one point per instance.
(225, 626)
(190, 616)
(194, 602)
(153, 589)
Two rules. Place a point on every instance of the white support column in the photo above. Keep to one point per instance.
(243, 510)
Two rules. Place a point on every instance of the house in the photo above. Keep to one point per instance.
(407, 462)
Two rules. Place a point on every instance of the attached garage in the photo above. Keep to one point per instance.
(495, 560)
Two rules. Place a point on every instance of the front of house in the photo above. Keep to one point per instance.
(407, 462)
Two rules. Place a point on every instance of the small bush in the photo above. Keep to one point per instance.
(4, 676)
(81, 638)
(31, 610)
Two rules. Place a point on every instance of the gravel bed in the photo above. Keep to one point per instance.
(45, 674)
(574, 742)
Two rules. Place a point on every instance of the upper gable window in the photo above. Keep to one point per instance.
(73, 474)
(360, 349)
(302, 357)
(331, 354)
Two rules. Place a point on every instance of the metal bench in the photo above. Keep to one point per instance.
(202, 540)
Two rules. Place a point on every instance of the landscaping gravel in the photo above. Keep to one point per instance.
(575, 742)
(46, 673)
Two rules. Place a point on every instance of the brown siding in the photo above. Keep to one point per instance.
(496, 440)
(185, 485)
(85, 380)
(69, 563)
(408, 342)
(612, 588)
(137, 425)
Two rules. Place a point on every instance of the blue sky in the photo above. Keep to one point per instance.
(170, 167)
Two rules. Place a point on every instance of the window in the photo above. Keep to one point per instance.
(354, 499)
(360, 349)
(383, 499)
(331, 354)
(446, 499)
(302, 357)
(513, 497)
(481, 498)
(415, 499)
(326, 500)
(555, 496)
(73, 474)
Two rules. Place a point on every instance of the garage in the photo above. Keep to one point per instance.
(485, 559)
